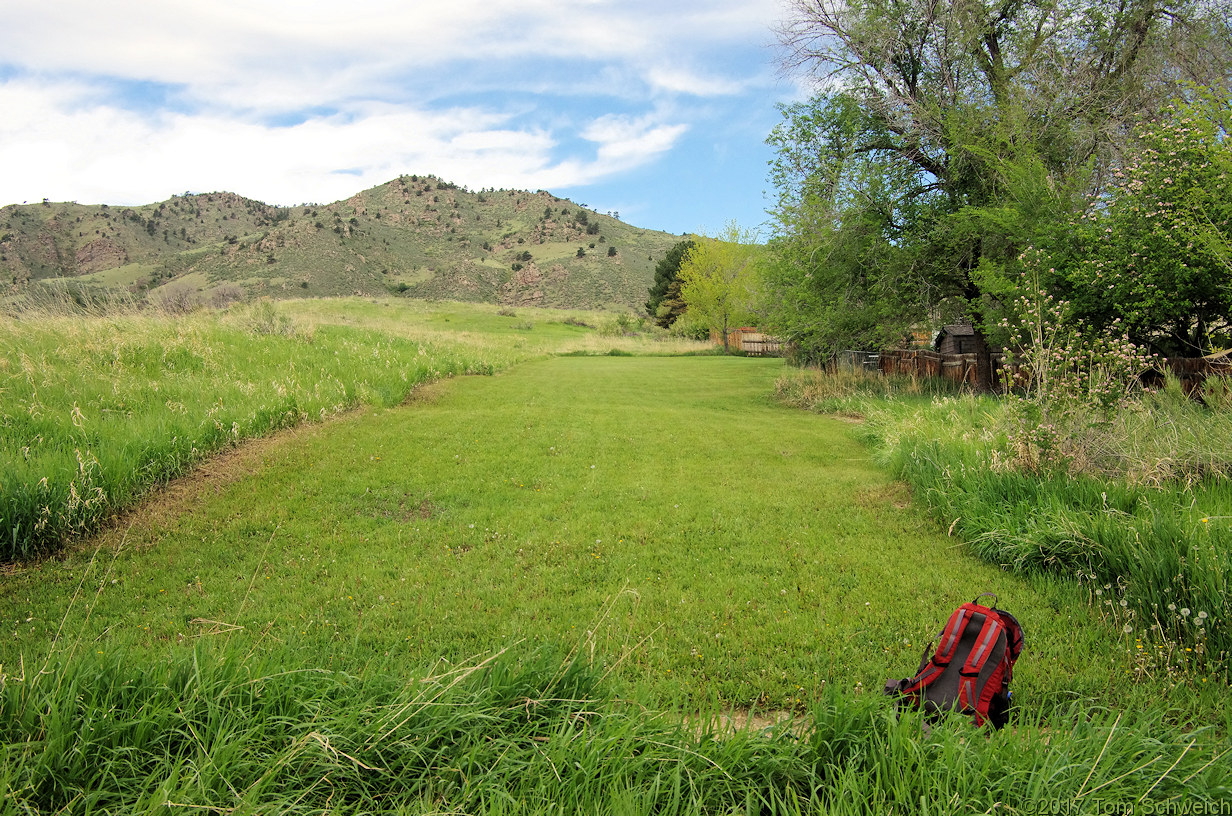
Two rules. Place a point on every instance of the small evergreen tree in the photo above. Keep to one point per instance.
(663, 292)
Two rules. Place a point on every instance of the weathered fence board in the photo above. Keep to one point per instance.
(759, 345)
(748, 340)
(961, 368)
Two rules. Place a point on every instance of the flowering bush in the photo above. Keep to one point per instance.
(1071, 368)
(1070, 376)
(1155, 253)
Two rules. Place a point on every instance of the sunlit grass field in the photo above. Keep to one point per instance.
(537, 590)
(96, 409)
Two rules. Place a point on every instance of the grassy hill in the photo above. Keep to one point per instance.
(417, 236)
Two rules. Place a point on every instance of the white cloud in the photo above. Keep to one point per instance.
(315, 50)
(93, 152)
(626, 142)
(132, 100)
(683, 80)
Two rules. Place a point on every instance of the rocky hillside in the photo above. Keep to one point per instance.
(416, 236)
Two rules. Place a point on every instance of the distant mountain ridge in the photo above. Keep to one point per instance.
(417, 236)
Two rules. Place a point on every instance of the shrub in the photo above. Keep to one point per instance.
(622, 325)
(176, 299)
(225, 294)
(689, 328)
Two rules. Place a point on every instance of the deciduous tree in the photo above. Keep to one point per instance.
(928, 109)
(718, 280)
(1157, 255)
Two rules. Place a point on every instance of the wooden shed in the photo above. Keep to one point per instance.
(958, 338)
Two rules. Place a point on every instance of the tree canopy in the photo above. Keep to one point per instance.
(947, 137)
(1157, 257)
(719, 280)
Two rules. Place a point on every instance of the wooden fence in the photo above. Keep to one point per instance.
(1193, 371)
(756, 344)
(961, 368)
(748, 340)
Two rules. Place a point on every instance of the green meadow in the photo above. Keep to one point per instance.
(563, 570)
(95, 411)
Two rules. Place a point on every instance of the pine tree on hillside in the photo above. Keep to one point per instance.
(665, 293)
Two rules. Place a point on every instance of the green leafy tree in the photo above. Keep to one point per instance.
(929, 112)
(1156, 258)
(719, 280)
(836, 284)
(664, 305)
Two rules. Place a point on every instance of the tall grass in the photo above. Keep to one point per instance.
(516, 333)
(98, 404)
(530, 732)
(1137, 510)
(846, 390)
(96, 409)
(1161, 438)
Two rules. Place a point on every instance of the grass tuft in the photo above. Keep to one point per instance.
(843, 390)
(529, 732)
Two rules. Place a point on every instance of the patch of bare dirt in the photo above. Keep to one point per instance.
(745, 721)
(425, 394)
(896, 494)
(179, 496)
(98, 255)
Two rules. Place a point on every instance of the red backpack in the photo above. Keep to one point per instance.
(970, 669)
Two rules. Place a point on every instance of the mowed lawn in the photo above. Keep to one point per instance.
(662, 515)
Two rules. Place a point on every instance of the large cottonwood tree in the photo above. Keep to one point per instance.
(959, 131)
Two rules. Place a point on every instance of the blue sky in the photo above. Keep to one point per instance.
(656, 110)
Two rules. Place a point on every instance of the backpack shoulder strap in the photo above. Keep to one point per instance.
(989, 638)
(944, 653)
(1013, 635)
